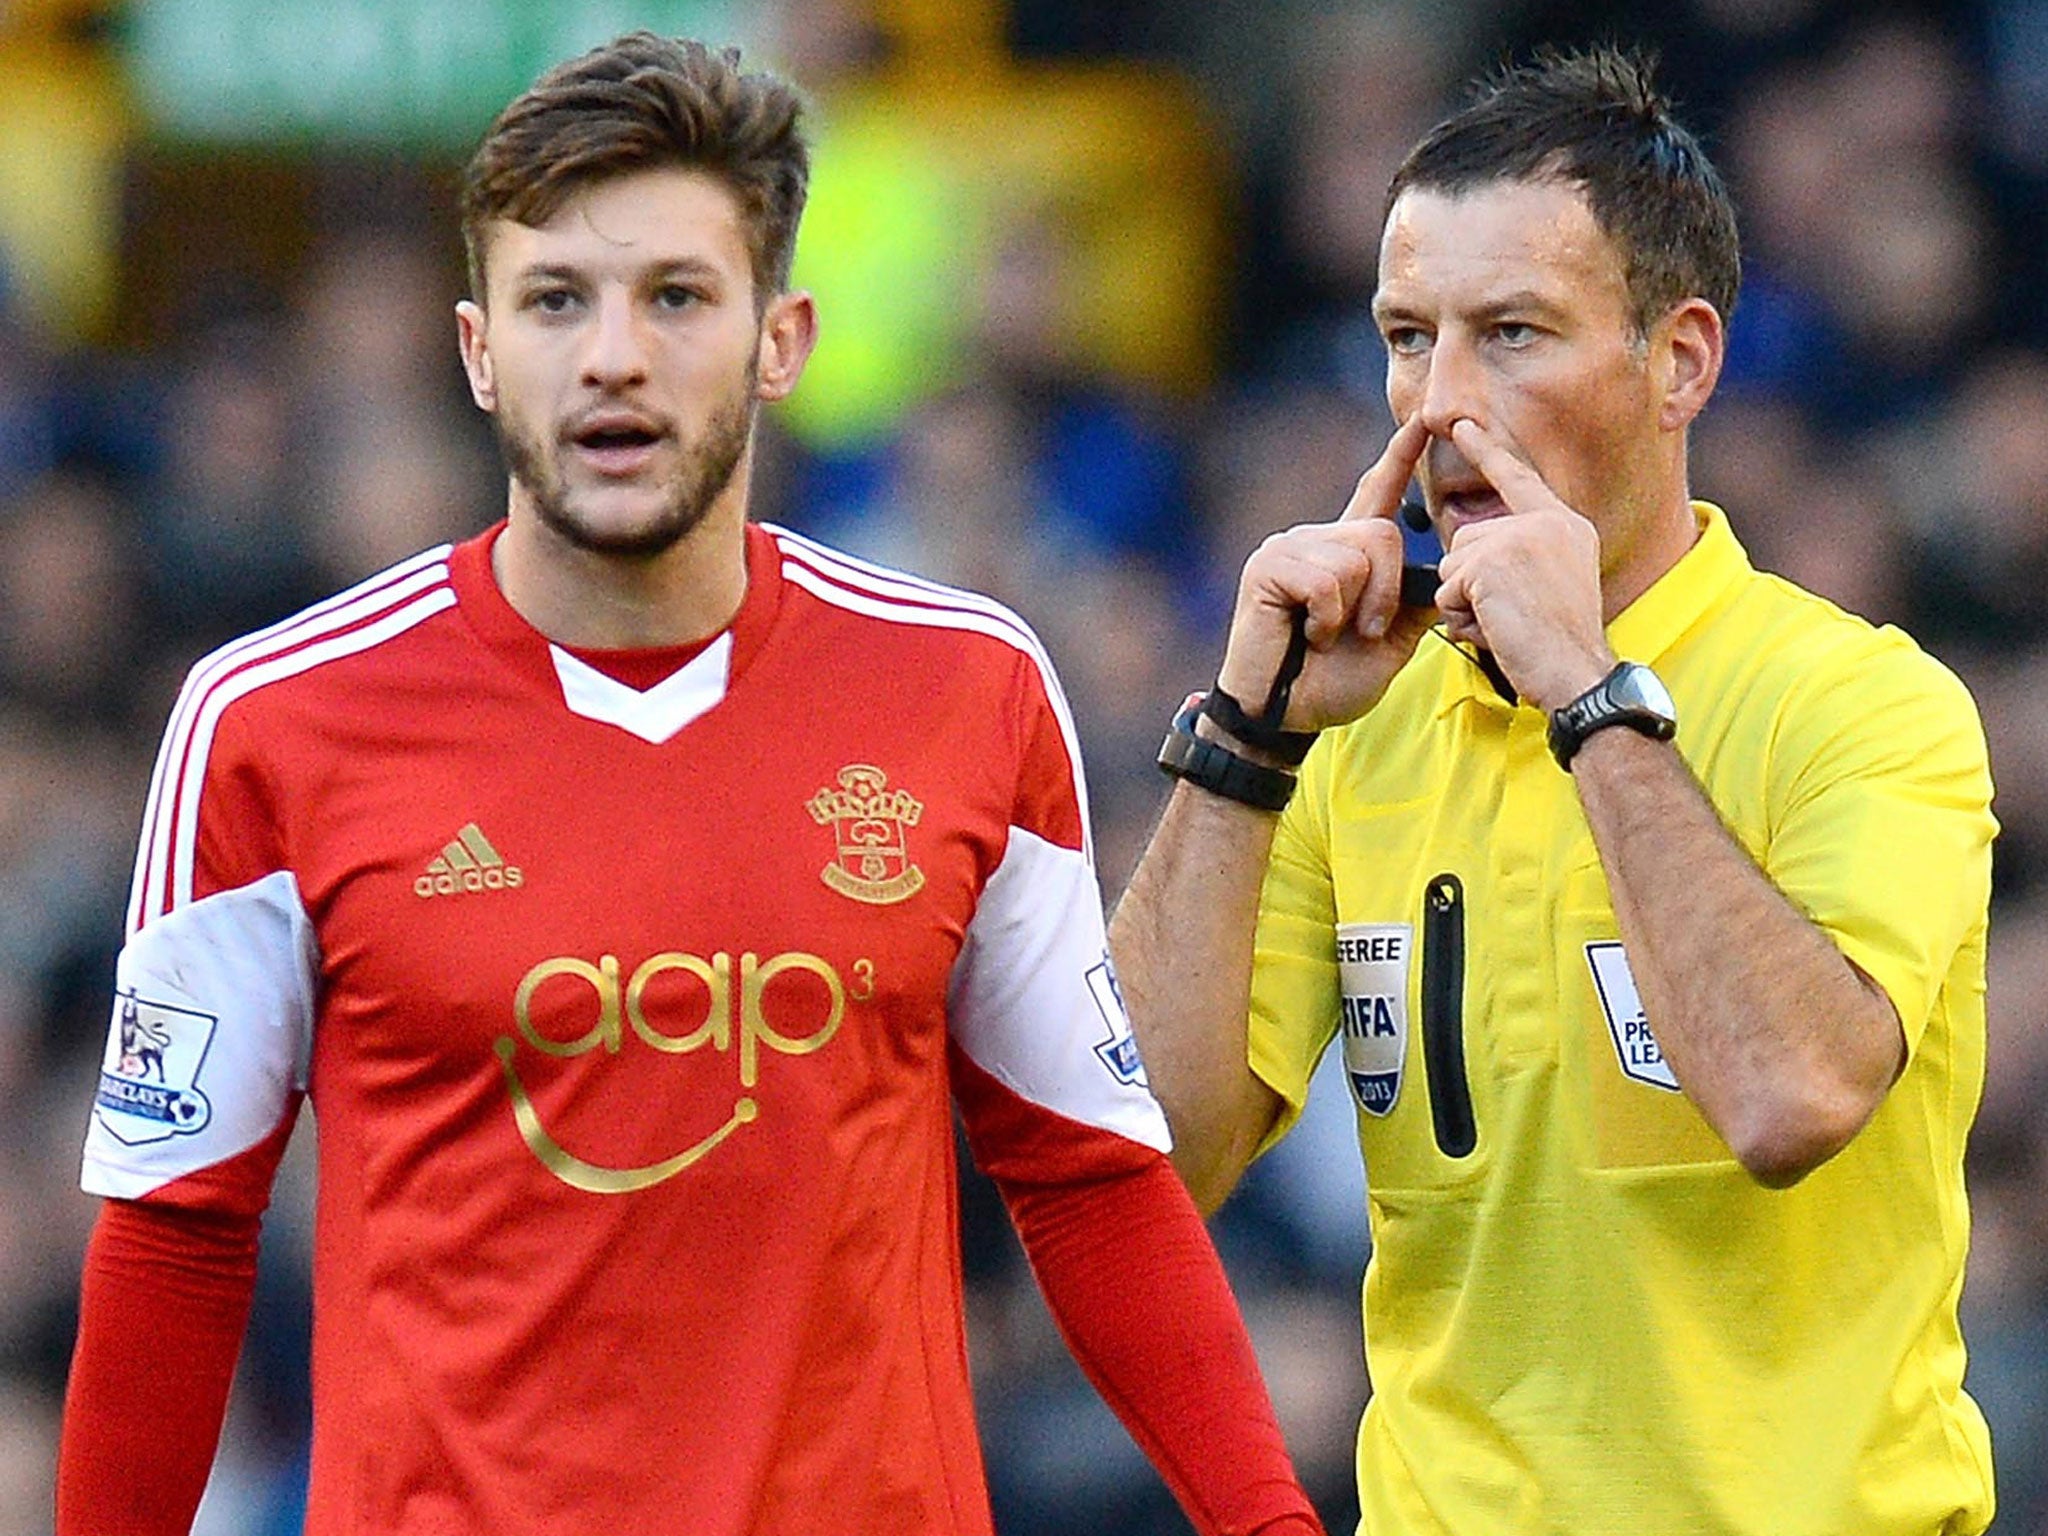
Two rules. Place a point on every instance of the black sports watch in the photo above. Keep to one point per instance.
(1212, 766)
(1630, 695)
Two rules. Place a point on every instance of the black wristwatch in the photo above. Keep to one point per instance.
(1212, 766)
(1630, 695)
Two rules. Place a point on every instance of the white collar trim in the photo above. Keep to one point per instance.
(656, 715)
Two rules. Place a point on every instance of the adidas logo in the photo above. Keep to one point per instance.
(469, 863)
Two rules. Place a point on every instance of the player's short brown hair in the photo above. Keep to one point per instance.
(1595, 120)
(638, 103)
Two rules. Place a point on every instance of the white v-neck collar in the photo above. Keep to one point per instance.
(658, 713)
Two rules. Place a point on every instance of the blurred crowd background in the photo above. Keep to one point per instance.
(1095, 282)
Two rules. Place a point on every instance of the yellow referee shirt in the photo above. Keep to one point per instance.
(1594, 1322)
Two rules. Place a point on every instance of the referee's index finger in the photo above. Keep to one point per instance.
(1520, 486)
(1380, 487)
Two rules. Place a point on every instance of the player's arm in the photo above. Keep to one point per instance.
(1132, 1279)
(163, 1303)
(1796, 989)
(1052, 1095)
(1785, 1047)
(165, 1290)
(1182, 933)
(1182, 940)
(199, 1087)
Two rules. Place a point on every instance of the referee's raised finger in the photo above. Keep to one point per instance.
(1519, 484)
(1380, 487)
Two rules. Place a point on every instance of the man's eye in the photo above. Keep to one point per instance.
(1515, 333)
(675, 296)
(1406, 340)
(551, 301)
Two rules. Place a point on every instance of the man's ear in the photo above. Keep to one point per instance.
(1692, 343)
(789, 331)
(472, 327)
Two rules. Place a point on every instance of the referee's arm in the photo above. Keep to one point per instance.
(1182, 941)
(1785, 1047)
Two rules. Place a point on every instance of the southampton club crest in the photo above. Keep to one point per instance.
(872, 823)
(149, 1078)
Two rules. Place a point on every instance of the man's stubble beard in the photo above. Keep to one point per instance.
(706, 472)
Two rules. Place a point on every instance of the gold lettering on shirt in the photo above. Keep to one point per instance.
(692, 1021)
(602, 979)
(717, 979)
(754, 1026)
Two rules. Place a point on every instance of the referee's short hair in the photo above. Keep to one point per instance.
(1595, 120)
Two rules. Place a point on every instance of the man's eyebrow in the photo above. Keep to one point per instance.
(1521, 301)
(564, 272)
(688, 266)
(1524, 301)
(547, 272)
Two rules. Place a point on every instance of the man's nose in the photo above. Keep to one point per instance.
(1454, 387)
(616, 351)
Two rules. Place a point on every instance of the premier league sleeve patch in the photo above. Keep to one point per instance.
(1627, 1023)
(1372, 974)
(1118, 1048)
(149, 1079)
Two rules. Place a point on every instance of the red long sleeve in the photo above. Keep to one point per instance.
(1134, 1283)
(162, 1308)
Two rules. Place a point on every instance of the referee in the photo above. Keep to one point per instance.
(1645, 892)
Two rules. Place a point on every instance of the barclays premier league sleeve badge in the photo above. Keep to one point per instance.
(1635, 1047)
(1119, 1048)
(1372, 975)
(149, 1078)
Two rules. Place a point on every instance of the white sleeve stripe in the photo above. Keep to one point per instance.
(826, 590)
(886, 582)
(917, 600)
(399, 581)
(915, 592)
(357, 603)
(181, 828)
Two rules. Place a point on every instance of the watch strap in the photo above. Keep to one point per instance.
(1214, 767)
(1259, 731)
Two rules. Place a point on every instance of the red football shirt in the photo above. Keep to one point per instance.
(626, 1017)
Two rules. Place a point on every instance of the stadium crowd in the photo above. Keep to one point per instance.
(1116, 328)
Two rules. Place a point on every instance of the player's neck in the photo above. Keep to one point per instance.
(582, 597)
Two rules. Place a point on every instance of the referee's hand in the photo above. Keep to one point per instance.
(1526, 586)
(1346, 576)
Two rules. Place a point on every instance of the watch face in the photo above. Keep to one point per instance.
(1639, 688)
(1630, 695)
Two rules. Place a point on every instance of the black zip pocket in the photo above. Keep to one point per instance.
(1443, 1016)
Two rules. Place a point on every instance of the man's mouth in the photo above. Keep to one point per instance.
(616, 448)
(1472, 504)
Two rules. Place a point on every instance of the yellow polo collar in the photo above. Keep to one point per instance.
(1676, 601)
